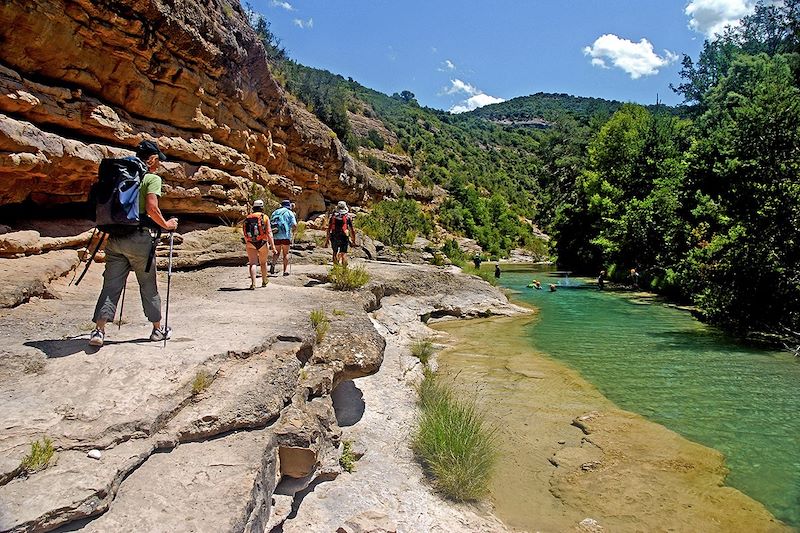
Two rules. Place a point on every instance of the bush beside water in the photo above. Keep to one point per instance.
(454, 441)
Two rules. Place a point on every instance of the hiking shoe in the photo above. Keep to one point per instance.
(264, 283)
(161, 334)
(285, 273)
(252, 287)
(96, 339)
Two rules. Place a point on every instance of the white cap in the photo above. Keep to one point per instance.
(258, 203)
(341, 207)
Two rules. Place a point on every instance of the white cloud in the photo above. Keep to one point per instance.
(285, 5)
(458, 86)
(303, 24)
(636, 59)
(710, 17)
(449, 65)
(477, 98)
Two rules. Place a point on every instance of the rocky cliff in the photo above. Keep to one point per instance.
(85, 79)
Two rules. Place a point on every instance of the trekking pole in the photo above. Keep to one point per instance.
(103, 235)
(169, 279)
(122, 304)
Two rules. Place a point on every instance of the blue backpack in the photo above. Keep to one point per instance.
(116, 195)
(280, 224)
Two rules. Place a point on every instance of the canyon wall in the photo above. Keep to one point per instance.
(81, 80)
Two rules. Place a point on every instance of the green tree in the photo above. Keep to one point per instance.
(747, 160)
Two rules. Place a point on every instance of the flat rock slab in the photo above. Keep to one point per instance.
(202, 486)
(77, 483)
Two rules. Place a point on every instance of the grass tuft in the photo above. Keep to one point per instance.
(485, 275)
(320, 322)
(39, 457)
(339, 312)
(422, 350)
(345, 278)
(348, 459)
(454, 442)
(202, 380)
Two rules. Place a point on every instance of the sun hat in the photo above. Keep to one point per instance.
(286, 203)
(258, 203)
(341, 207)
(148, 148)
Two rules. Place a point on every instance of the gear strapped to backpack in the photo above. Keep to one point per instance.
(255, 229)
(341, 224)
(115, 197)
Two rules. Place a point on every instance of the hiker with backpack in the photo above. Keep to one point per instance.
(284, 223)
(127, 210)
(340, 233)
(258, 241)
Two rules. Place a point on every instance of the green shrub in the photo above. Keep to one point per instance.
(320, 322)
(485, 275)
(201, 381)
(454, 253)
(454, 442)
(345, 278)
(348, 459)
(39, 457)
(396, 222)
(437, 259)
(300, 232)
(422, 350)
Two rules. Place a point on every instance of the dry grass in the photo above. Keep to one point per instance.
(202, 380)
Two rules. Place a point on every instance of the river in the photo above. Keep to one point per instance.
(650, 359)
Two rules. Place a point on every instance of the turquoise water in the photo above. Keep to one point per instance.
(665, 365)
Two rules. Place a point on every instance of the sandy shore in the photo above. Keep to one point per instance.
(571, 457)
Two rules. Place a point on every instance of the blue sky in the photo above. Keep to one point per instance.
(458, 55)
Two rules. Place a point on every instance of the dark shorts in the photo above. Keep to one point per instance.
(339, 243)
(278, 242)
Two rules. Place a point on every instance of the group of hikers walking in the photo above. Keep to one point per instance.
(130, 222)
(263, 234)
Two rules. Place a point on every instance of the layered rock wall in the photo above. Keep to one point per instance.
(81, 80)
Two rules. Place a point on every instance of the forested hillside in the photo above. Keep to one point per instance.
(703, 200)
(707, 209)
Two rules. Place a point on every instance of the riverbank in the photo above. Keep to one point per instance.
(575, 457)
(253, 445)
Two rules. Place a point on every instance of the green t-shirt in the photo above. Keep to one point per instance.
(151, 183)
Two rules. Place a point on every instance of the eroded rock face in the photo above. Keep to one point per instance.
(82, 80)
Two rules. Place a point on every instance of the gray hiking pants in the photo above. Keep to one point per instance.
(124, 254)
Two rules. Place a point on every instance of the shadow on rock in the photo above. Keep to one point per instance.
(54, 348)
(348, 403)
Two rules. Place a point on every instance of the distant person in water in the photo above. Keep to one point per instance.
(552, 288)
(476, 260)
(535, 285)
(497, 271)
(601, 280)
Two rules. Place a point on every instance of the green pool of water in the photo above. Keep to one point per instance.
(665, 365)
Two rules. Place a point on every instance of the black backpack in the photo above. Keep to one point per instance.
(116, 195)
